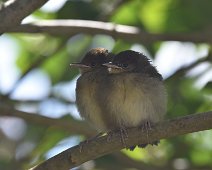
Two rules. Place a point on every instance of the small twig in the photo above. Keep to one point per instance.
(72, 157)
(184, 69)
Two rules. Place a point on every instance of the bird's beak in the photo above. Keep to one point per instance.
(110, 65)
(113, 69)
(79, 65)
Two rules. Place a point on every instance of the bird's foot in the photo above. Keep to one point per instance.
(146, 126)
(88, 140)
(154, 143)
(122, 132)
(131, 148)
(123, 135)
(109, 135)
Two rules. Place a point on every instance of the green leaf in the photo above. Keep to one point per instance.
(153, 14)
(128, 14)
(121, 46)
(42, 46)
(44, 15)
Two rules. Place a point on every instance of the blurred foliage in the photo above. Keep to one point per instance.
(52, 55)
(166, 16)
(70, 10)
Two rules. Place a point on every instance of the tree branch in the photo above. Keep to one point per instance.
(13, 11)
(93, 149)
(130, 33)
(72, 126)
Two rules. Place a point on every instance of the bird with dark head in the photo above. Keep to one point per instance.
(133, 93)
(92, 73)
(133, 62)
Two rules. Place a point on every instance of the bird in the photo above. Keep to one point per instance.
(132, 94)
(92, 74)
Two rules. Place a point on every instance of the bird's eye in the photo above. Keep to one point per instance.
(93, 64)
(124, 65)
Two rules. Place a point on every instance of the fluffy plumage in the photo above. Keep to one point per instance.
(133, 92)
(92, 73)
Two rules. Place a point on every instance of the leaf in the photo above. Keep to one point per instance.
(153, 14)
(128, 14)
(42, 46)
(121, 46)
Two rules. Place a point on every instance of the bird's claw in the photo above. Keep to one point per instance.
(146, 126)
(109, 135)
(124, 135)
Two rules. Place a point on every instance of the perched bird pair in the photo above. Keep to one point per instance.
(119, 91)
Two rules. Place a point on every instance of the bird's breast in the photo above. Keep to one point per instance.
(133, 101)
(87, 103)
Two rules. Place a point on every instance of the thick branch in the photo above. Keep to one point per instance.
(130, 33)
(13, 11)
(72, 126)
(72, 157)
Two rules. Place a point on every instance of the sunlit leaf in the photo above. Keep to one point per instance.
(128, 14)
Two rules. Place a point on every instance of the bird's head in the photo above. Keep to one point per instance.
(92, 60)
(132, 62)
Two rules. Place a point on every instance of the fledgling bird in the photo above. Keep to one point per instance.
(92, 74)
(133, 93)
